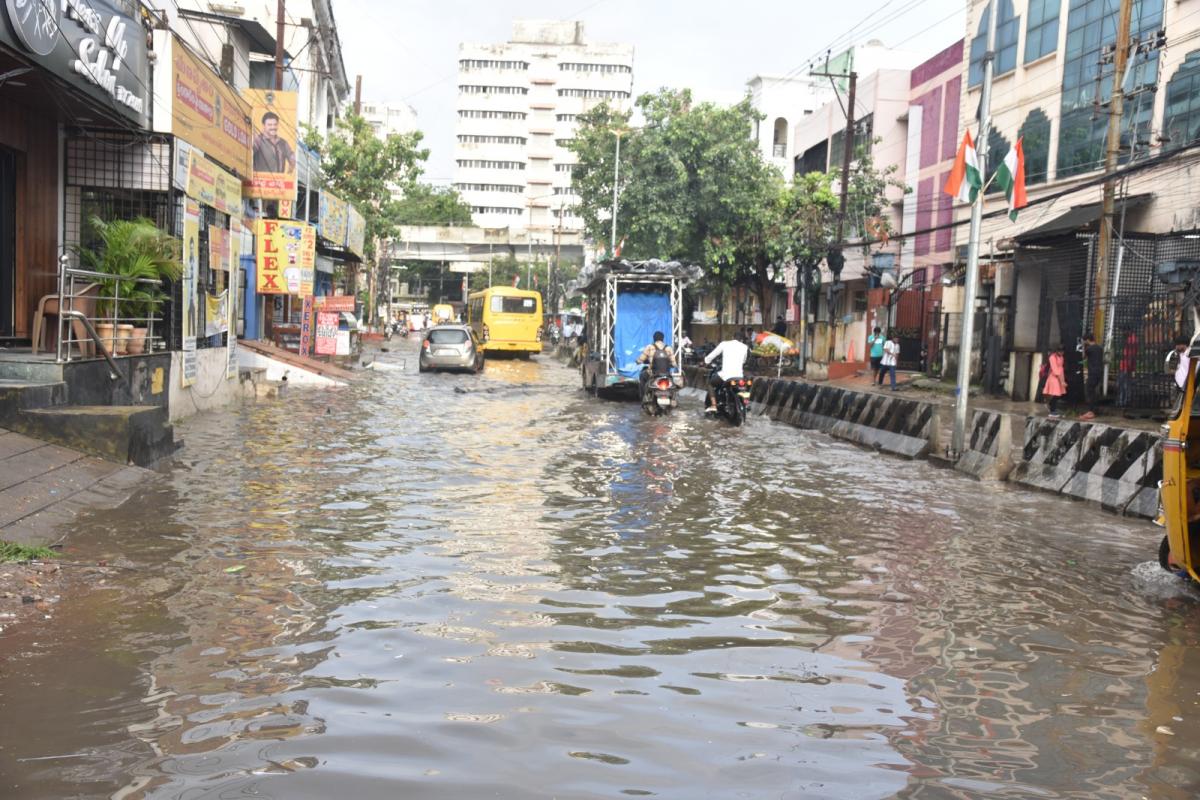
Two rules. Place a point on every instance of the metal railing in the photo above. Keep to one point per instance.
(82, 299)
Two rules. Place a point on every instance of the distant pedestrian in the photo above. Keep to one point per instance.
(876, 341)
(1126, 368)
(780, 328)
(1093, 357)
(891, 354)
(1056, 381)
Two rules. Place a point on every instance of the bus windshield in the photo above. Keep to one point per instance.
(513, 305)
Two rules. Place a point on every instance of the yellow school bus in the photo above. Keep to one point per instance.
(507, 320)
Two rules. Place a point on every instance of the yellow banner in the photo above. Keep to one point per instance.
(356, 232)
(202, 180)
(333, 218)
(286, 258)
(273, 176)
(207, 112)
(228, 190)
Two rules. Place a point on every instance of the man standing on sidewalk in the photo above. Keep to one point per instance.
(1093, 357)
(876, 341)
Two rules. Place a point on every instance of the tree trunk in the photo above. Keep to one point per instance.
(766, 290)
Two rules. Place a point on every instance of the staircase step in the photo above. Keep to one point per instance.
(138, 435)
(17, 396)
(18, 366)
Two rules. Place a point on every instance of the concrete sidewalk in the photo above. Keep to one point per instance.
(44, 486)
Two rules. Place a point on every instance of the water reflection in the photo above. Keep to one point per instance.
(458, 586)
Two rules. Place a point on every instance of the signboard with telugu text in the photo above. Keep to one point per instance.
(207, 112)
(273, 152)
(327, 333)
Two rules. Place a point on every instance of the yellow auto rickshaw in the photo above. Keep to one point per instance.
(1179, 490)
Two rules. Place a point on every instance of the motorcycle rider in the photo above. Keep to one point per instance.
(733, 355)
(659, 359)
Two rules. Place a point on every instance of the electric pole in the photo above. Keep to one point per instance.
(836, 257)
(358, 95)
(1112, 151)
(279, 18)
(963, 388)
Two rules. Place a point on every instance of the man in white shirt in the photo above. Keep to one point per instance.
(733, 356)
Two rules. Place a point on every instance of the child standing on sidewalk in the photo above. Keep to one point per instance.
(891, 352)
(1056, 381)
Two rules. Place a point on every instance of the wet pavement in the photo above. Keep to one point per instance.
(444, 586)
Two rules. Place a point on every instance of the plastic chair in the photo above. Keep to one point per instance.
(48, 306)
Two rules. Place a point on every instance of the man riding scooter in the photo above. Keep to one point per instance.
(659, 359)
(733, 355)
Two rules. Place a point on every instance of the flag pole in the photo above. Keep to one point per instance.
(963, 388)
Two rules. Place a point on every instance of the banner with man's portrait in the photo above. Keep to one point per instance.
(273, 168)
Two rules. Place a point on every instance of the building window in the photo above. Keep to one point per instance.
(503, 210)
(1007, 29)
(471, 138)
(1091, 27)
(564, 167)
(470, 88)
(563, 142)
(605, 68)
(484, 163)
(479, 114)
(1035, 132)
(566, 117)
(509, 188)
(862, 142)
(564, 190)
(594, 94)
(998, 147)
(779, 140)
(1181, 115)
(1041, 37)
(485, 63)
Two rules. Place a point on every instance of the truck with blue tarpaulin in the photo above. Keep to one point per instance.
(626, 302)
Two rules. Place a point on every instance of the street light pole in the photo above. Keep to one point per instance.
(963, 387)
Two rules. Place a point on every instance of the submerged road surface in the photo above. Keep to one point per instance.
(437, 586)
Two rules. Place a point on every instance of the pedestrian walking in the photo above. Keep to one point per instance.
(1093, 358)
(1055, 387)
(891, 354)
(876, 341)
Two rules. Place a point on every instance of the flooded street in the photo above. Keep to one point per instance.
(496, 587)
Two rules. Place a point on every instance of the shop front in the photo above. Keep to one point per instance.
(69, 73)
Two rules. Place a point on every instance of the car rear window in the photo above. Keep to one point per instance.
(448, 337)
(514, 305)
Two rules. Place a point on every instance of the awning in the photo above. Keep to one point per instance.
(260, 40)
(1080, 218)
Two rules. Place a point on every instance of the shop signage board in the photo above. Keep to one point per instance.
(235, 260)
(92, 45)
(356, 232)
(207, 112)
(333, 211)
(327, 332)
(273, 171)
(337, 303)
(306, 325)
(191, 273)
(286, 258)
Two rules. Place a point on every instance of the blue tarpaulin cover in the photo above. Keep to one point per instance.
(639, 315)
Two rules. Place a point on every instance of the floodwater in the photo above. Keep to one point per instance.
(497, 587)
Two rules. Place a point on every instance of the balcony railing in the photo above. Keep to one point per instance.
(779, 150)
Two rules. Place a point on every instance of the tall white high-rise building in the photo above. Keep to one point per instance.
(517, 105)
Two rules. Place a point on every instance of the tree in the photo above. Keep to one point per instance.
(422, 204)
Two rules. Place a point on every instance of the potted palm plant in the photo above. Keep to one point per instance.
(138, 256)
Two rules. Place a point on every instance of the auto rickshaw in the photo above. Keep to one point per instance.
(1179, 490)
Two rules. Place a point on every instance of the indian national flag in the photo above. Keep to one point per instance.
(965, 178)
(1010, 176)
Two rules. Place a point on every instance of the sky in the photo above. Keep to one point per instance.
(408, 50)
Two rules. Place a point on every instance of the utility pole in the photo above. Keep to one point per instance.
(1112, 151)
(963, 389)
(358, 95)
(836, 257)
(279, 18)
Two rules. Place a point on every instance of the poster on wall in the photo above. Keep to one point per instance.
(235, 273)
(327, 333)
(306, 325)
(202, 180)
(207, 112)
(287, 257)
(216, 321)
(218, 249)
(191, 273)
(333, 218)
(273, 173)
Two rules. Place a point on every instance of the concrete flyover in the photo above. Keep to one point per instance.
(470, 244)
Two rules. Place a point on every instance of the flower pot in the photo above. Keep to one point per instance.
(105, 331)
(124, 333)
(137, 342)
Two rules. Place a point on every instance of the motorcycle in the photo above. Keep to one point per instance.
(658, 387)
(733, 399)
